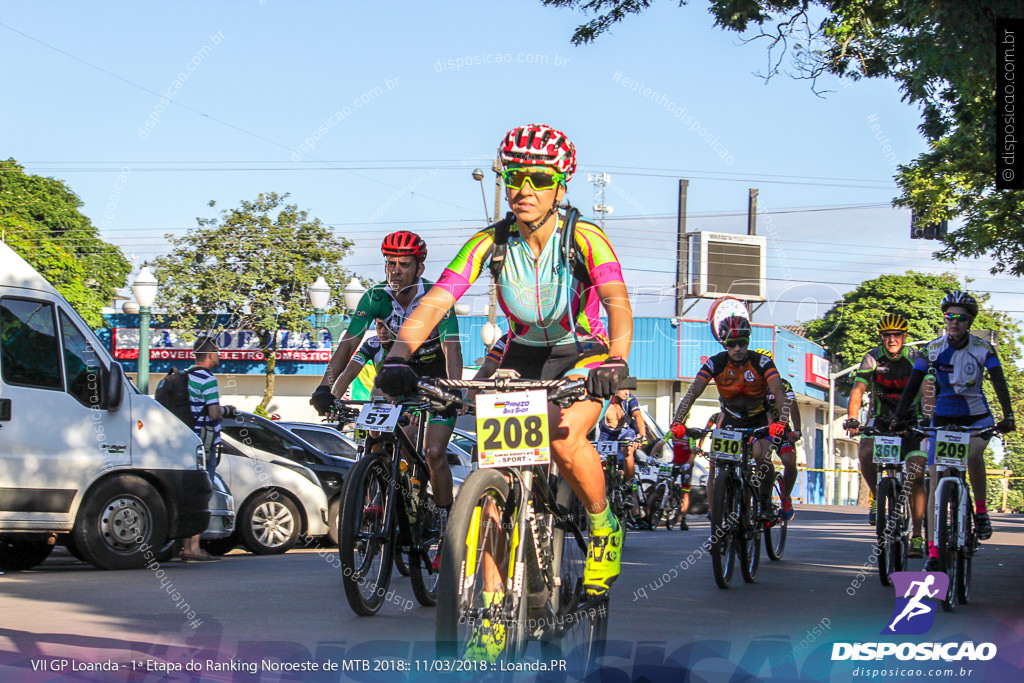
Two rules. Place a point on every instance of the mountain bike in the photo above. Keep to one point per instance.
(621, 499)
(637, 516)
(954, 535)
(516, 546)
(665, 496)
(382, 513)
(736, 514)
(892, 504)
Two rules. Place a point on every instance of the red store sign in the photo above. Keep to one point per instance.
(167, 344)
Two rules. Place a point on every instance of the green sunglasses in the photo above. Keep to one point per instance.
(515, 178)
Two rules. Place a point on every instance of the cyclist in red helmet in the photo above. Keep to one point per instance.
(440, 355)
(552, 289)
(744, 379)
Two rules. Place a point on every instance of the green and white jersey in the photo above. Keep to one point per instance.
(379, 302)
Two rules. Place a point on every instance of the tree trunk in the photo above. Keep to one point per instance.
(268, 387)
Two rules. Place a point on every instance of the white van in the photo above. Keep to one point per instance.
(84, 456)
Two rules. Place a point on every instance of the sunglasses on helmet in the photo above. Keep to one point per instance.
(539, 180)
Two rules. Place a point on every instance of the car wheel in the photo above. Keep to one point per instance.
(23, 551)
(270, 523)
(120, 519)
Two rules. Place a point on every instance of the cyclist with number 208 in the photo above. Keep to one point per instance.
(958, 361)
(553, 311)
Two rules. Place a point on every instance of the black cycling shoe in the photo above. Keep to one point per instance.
(932, 564)
(683, 526)
(983, 525)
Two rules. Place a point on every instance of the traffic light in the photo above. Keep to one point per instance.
(930, 231)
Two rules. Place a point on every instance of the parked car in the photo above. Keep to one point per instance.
(314, 447)
(277, 497)
(86, 459)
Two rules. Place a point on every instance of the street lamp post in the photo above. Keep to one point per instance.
(144, 288)
(319, 294)
(354, 291)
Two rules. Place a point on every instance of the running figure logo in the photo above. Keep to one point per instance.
(912, 615)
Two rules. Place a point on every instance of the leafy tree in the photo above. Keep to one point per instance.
(941, 53)
(255, 264)
(40, 219)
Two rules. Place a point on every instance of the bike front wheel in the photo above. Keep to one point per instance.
(477, 617)
(749, 534)
(963, 574)
(724, 519)
(581, 622)
(365, 545)
(776, 528)
(949, 547)
(424, 567)
(888, 526)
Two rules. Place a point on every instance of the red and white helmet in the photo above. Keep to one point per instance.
(404, 243)
(538, 145)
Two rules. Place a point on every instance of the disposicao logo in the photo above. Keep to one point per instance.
(912, 615)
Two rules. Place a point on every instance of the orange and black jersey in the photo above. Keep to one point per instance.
(742, 387)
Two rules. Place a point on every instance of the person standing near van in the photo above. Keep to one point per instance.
(204, 399)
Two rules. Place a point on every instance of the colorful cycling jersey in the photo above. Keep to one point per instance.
(369, 355)
(959, 374)
(379, 302)
(741, 387)
(885, 378)
(535, 292)
(769, 401)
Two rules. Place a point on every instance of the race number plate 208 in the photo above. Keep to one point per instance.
(378, 417)
(726, 444)
(887, 450)
(951, 447)
(512, 428)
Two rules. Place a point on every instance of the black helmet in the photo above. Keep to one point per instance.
(733, 327)
(963, 300)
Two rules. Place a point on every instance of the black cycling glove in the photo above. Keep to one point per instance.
(396, 378)
(604, 380)
(851, 423)
(1006, 425)
(322, 399)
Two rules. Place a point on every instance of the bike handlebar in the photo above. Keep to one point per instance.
(562, 392)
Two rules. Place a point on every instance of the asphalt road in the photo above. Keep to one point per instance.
(667, 616)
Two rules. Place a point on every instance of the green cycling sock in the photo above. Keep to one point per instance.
(601, 521)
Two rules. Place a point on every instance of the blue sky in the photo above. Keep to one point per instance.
(373, 115)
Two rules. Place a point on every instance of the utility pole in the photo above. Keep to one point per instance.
(682, 252)
(752, 223)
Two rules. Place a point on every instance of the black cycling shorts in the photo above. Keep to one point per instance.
(553, 362)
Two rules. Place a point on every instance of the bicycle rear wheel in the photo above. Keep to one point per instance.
(724, 519)
(655, 505)
(477, 615)
(749, 534)
(949, 551)
(581, 623)
(422, 571)
(776, 527)
(887, 529)
(365, 546)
